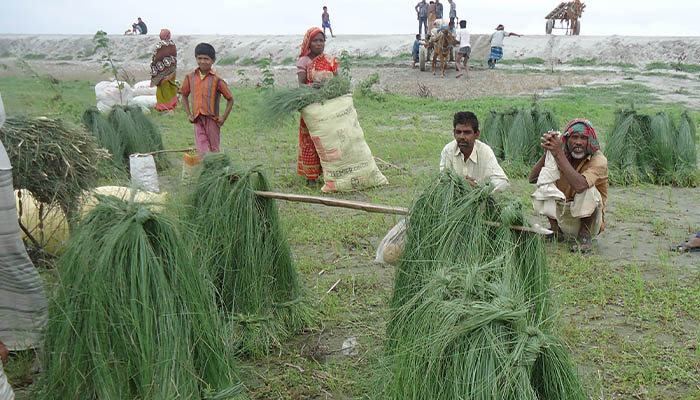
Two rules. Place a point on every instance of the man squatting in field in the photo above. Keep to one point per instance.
(583, 181)
(470, 157)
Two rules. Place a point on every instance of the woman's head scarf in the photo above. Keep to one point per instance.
(580, 125)
(306, 44)
(164, 34)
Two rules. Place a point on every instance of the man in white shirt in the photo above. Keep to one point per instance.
(497, 44)
(465, 48)
(470, 157)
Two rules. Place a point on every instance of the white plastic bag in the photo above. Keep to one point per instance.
(2, 113)
(145, 101)
(143, 172)
(107, 93)
(143, 88)
(392, 246)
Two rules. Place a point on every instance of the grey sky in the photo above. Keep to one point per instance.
(602, 17)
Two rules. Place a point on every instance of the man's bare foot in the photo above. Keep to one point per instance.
(459, 75)
(691, 246)
(583, 244)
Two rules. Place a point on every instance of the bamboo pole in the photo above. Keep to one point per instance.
(376, 208)
(163, 151)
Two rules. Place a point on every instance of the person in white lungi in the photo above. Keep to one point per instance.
(582, 182)
(470, 157)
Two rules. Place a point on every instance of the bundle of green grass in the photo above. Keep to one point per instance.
(471, 311)
(514, 135)
(125, 131)
(642, 148)
(245, 250)
(134, 315)
(281, 103)
(53, 160)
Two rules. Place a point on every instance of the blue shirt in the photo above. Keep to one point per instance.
(416, 46)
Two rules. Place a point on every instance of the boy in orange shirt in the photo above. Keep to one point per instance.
(206, 88)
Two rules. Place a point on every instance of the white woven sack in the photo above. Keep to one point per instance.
(143, 172)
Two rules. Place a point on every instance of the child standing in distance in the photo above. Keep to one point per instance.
(465, 48)
(416, 50)
(205, 101)
(326, 21)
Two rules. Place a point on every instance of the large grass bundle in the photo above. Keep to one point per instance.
(124, 131)
(281, 103)
(134, 315)
(247, 255)
(515, 135)
(471, 313)
(641, 148)
(56, 162)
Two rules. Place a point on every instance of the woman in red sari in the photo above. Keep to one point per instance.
(163, 68)
(314, 68)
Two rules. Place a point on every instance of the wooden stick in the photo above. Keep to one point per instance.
(375, 208)
(163, 151)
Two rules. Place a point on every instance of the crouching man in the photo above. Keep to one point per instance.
(582, 183)
(470, 157)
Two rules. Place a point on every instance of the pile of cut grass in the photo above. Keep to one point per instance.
(646, 149)
(281, 103)
(247, 255)
(53, 160)
(134, 314)
(125, 131)
(471, 311)
(514, 135)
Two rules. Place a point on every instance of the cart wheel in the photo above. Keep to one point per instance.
(549, 27)
(577, 28)
(421, 58)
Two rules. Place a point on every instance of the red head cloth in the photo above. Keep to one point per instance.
(306, 44)
(580, 125)
(164, 34)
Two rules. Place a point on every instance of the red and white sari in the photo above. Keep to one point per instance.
(319, 69)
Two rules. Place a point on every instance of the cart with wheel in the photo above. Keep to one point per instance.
(568, 14)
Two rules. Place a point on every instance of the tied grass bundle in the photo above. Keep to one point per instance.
(56, 162)
(134, 315)
(124, 131)
(514, 135)
(247, 255)
(654, 149)
(281, 103)
(471, 310)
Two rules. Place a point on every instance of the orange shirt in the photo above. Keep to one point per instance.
(595, 169)
(206, 92)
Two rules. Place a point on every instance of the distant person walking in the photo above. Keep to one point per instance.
(465, 48)
(326, 21)
(422, 11)
(497, 44)
(163, 67)
(142, 26)
(438, 9)
(453, 10)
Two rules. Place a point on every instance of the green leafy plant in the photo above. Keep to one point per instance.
(108, 66)
(344, 62)
(365, 88)
(268, 77)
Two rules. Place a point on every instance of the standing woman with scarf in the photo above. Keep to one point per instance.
(163, 66)
(314, 68)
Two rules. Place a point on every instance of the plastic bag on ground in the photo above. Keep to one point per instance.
(346, 159)
(392, 246)
(108, 94)
(143, 88)
(145, 101)
(143, 172)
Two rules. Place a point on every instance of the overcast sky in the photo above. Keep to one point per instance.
(601, 17)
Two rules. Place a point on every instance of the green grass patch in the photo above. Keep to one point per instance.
(619, 65)
(583, 62)
(145, 56)
(523, 61)
(657, 65)
(33, 56)
(248, 61)
(288, 61)
(64, 58)
(230, 60)
(5, 54)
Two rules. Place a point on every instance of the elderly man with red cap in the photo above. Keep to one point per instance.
(572, 178)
